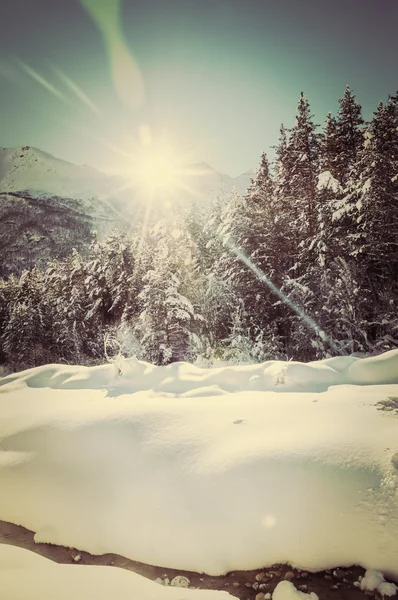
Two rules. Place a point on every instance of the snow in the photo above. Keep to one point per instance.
(42, 174)
(207, 470)
(28, 168)
(285, 590)
(180, 379)
(374, 581)
(25, 575)
(326, 181)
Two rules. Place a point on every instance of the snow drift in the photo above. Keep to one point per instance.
(218, 482)
(27, 576)
(184, 379)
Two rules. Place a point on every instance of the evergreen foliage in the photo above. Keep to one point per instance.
(320, 226)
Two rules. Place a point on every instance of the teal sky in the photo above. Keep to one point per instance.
(218, 76)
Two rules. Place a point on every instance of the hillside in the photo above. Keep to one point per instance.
(49, 206)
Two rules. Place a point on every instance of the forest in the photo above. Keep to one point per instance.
(303, 266)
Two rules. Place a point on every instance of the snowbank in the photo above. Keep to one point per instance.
(208, 484)
(285, 590)
(28, 576)
(374, 581)
(179, 379)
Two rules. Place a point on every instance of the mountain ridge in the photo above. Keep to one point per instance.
(49, 206)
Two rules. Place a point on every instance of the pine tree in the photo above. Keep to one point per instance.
(168, 324)
(373, 201)
(27, 339)
(304, 145)
(349, 134)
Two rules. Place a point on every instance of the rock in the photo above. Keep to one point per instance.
(236, 584)
(255, 585)
(77, 557)
(166, 580)
(260, 576)
(329, 577)
(248, 584)
(304, 575)
(289, 576)
(303, 587)
(260, 596)
(339, 573)
(180, 581)
(276, 573)
(158, 580)
(267, 596)
(262, 587)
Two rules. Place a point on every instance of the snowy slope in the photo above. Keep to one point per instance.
(27, 576)
(28, 168)
(207, 184)
(166, 466)
(49, 206)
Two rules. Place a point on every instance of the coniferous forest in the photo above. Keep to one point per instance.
(304, 266)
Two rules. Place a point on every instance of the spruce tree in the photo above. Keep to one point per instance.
(168, 325)
(304, 146)
(349, 134)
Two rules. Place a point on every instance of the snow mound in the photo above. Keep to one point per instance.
(183, 379)
(208, 484)
(25, 575)
(374, 581)
(285, 590)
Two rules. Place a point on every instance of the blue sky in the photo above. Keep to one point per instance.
(217, 77)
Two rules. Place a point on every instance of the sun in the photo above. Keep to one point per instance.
(157, 170)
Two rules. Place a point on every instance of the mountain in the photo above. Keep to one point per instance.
(207, 184)
(49, 206)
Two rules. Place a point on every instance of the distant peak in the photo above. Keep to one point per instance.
(246, 173)
(202, 166)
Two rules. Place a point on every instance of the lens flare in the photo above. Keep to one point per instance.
(81, 94)
(285, 299)
(126, 74)
(41, 80)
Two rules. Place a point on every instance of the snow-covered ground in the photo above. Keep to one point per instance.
(27, 576)
(208, 470)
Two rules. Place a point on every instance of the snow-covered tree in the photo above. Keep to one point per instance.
(304, 146)
(349, 136)
(168, 323)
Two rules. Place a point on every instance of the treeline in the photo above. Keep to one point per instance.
(303, 266)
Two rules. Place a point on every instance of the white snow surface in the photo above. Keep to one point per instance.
(208, 470)
(25, 575)
(285, 590)
(184, 379)
(374, 581)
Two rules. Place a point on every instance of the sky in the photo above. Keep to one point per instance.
(92, 80)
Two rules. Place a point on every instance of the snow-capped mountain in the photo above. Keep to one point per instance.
(49, 206)
(208, 184)
(28, 168)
